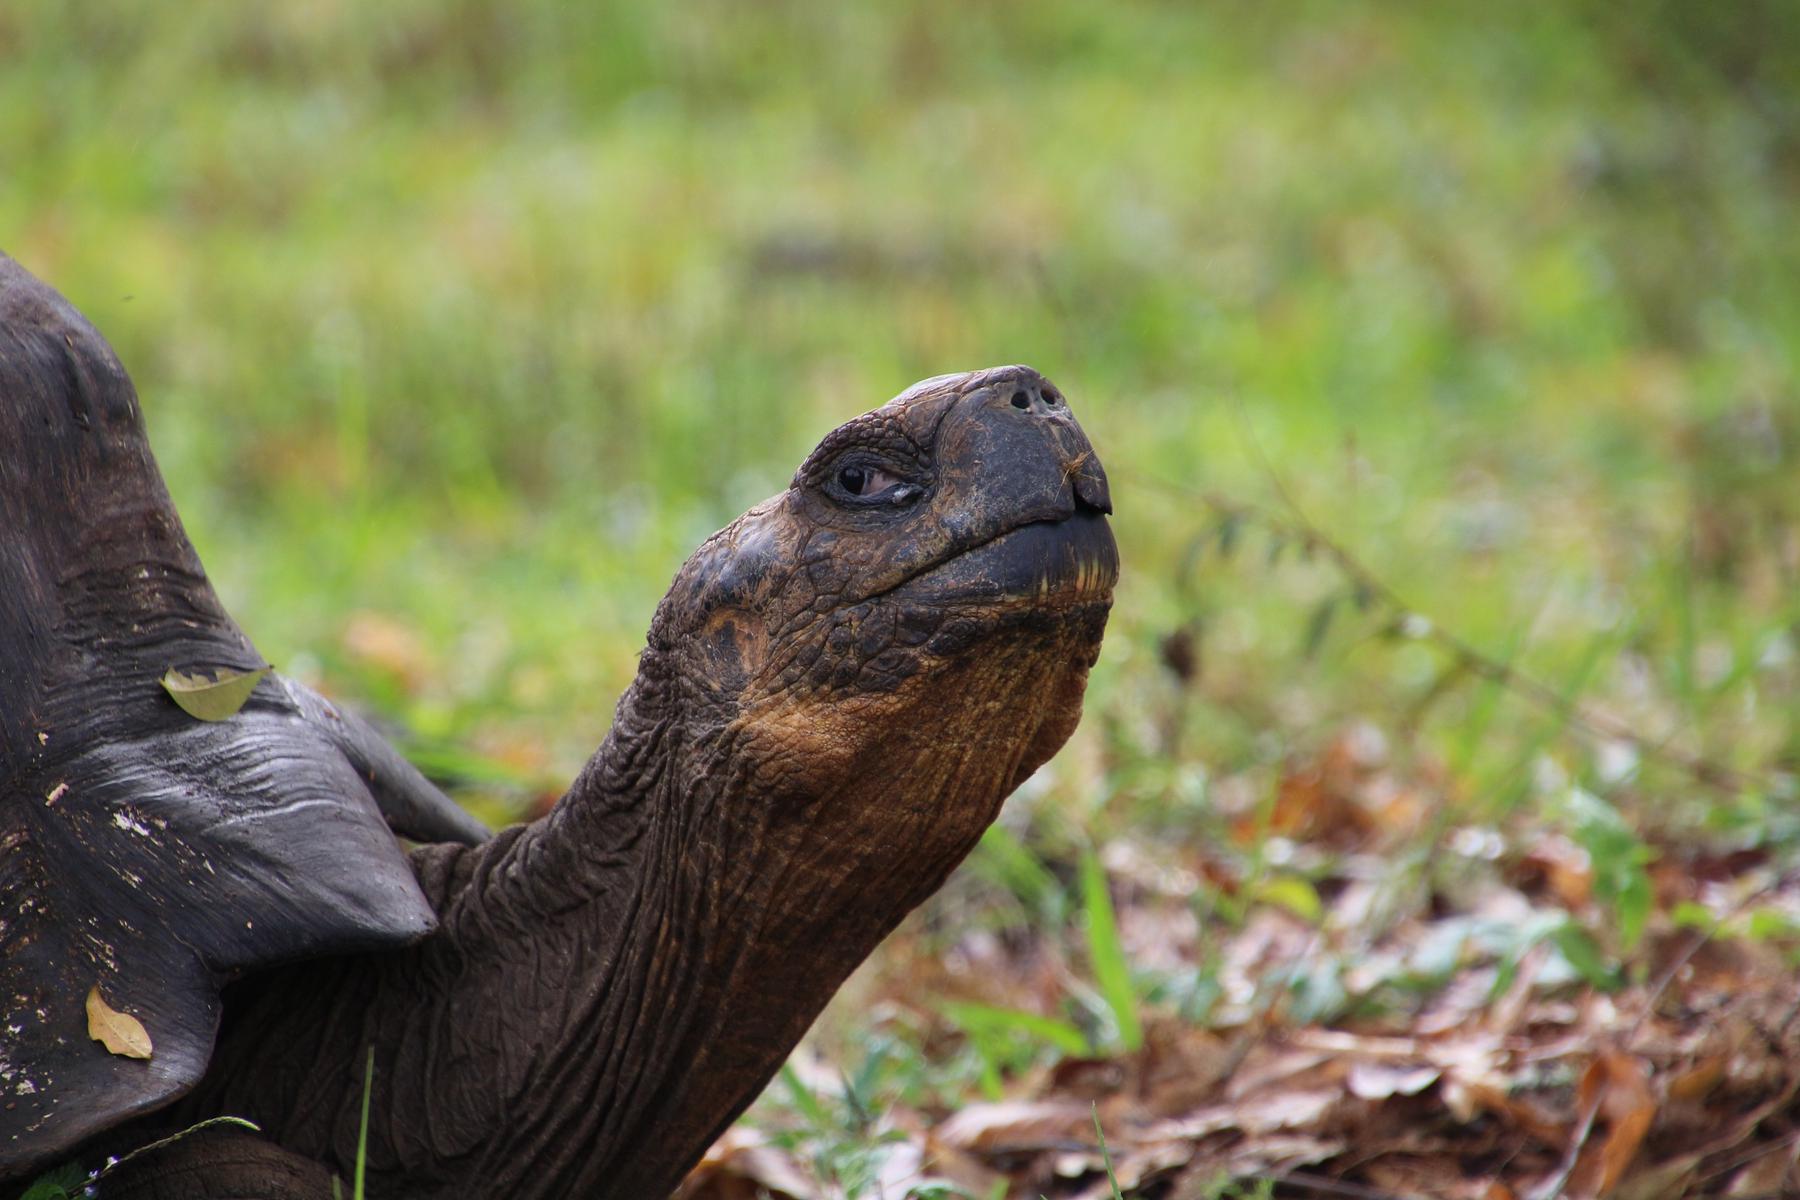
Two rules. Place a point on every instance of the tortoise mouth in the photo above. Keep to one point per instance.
(1052, 563)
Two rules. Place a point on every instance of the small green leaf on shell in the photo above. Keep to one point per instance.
(121, 1033)
(212, 698)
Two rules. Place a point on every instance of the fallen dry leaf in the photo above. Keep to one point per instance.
(1010, 1126)
(121, 1033)
(1629, 1108)
(1767, 1174)
(742, 1165)
(214, 697)
(1699, 1079)
(1378, 1081)
(1559, 866)
(1613, 1089)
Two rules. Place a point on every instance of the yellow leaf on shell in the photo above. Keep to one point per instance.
(121, 1033)
(214, 698)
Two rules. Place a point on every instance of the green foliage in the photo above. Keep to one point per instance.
(362, 1134)
(1584, 956)
(981, 1018)
(67, 1182)
(1292, 893)
(839, 1134)
(1112, 1178)
(1107, 956)
(1227, 1188)
(1008, 1040)
(1003, 859)
(529, 301)
(362, 1128)
(1619, 859)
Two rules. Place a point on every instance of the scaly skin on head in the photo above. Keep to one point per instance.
(839, 690)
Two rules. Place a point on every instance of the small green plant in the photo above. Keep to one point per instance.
(1010, 1040)
(1621, 881)
(1107, 955)
(839, 1134)
(362, 1132)
(1002, 859)
(1112, 1177)
(362, 1135)
(67, 1182)
(1223, 1185)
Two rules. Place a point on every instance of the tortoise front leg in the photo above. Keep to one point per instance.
(226, 1163)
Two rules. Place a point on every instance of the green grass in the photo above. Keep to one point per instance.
(478, 316)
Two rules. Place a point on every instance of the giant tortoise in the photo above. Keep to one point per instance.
(206, 907)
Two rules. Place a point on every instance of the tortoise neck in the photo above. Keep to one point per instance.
(622, 928)
(695, 924)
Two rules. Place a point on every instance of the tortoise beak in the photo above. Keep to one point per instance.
(1017, 429)
(1035, 520)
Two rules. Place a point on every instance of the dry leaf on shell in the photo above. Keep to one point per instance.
(121, 1033)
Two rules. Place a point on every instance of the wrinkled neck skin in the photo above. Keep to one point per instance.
(611, 985)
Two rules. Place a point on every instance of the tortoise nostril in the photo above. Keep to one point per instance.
(1051, 398)
(1021, 400)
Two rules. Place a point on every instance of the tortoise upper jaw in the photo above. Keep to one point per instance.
(1019, 401)
(1051, 563)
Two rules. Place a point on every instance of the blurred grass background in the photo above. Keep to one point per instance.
(458, 324)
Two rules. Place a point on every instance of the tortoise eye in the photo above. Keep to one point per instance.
(865, 480)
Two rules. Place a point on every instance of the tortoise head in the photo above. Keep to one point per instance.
(904, 634)
(838, 691)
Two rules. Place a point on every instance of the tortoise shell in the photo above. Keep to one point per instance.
(146, 856)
